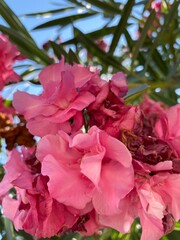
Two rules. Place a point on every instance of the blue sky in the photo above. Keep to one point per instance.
(21, 7)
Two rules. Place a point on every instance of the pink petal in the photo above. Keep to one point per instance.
(118, 84)
(58, 147)
(116, 150)
(152, 228)
(8, 211)
(41, 126)
(91, 166)
(51, 73)
(82, 75)
(66, 184)
(115, 183)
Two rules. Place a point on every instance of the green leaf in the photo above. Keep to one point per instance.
(141, 57)
(9, 229)
(76, 2)
(13, 21)
(64, 21)
(136, 90)
(72, 57)
(26, 47)
(157, 58)
(140, 41)
(159, 97)
(41, 14)
(58, 50)
(25, 235)
(175, 235)
(168, 19)
(177, 226)
(93, 35)
(99, 53)
(121, 25)
(29, 71)
(105, 6)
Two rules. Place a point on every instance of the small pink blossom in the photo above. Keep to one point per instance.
(18, 173)
(36, 212)
(67, 91)
(157, 6)
(151, 111)
(109, 112)
(9, 54)
(168, 128)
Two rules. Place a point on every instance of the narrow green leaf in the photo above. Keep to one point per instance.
(141, 57)
(29, 71)
(121, 25)
(169, 17)
(162, 65)
(105, 6)
(10, 17)
(159, 97)
(77, 3)
(136, 90)
(58, 50)
(164, 238)
(177, 226)
(140, 41)
(99, 53)
(93, 35)
(25, 235)
(141, 2)
(64, 21)
(9, 229)
(72, 57)
(26, 47)
(41, 14)
(175, 235)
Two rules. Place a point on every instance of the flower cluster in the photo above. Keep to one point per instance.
(99, 163)
(9, 54)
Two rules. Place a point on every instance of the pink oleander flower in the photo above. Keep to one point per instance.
(18, 173)
(67, 90)
(154, 199)
(87, 169)
(32, 207)
(151, 111)
(36, 212)
(159, 206)
(168, 129)
(8, 55)
(109, 112)
(102, 44)
(157, 6)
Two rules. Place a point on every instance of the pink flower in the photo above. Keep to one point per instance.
(155, 200)
(168, 129)
(36, 212)
(67, 91)
(9, 54)
(102, 44)
(18, 173)
(32, 207)
(109, 112)
(87, 165)
(157, 6)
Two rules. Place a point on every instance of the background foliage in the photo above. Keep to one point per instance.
(133, 38)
